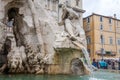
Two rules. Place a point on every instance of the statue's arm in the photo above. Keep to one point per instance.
(64, 16)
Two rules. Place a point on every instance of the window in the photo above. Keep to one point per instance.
(101, 19)
(101, 27)
(88, 27)
(119, 51)
(111, 51)
(88, 20)
(118, 41)
(110, 27)
(118, 29)
(111, 40)
(102, 39)
(88, 40)
(110, 20)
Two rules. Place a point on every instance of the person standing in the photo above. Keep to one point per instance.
(94, 63)
(119, 64)
(106, 65)
(113, 65)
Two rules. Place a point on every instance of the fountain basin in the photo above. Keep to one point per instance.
(99, 75)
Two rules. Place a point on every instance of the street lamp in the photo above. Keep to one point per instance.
(102, 51)
(102, 42)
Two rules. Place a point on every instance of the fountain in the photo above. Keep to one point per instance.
(47, 37)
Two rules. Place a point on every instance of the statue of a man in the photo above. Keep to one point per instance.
(71, 21)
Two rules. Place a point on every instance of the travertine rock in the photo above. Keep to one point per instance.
(42, 30)
(2, 34)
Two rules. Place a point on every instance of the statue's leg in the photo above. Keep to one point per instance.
(69, 27)
(81, 38)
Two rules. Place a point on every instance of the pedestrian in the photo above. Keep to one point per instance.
(94, 63)
(106, 64)
(113, 65)
(102, 64)
(98, 65)
(119, 64)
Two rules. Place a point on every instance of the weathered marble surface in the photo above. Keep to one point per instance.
(2, 34)
(42, 31)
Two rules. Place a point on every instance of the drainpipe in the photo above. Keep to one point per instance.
(115, 21)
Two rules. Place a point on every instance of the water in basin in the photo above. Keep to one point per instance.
(97, 76)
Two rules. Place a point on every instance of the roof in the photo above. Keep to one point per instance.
(102, 16)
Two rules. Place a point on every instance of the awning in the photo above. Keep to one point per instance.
(109, 58)
(107, 53)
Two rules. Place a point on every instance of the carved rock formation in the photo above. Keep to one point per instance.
(40, 42)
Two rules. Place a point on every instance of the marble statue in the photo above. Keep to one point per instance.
(71, 22)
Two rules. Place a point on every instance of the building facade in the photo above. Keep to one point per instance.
(103, 36)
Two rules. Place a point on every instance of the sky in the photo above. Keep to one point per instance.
(103, 7)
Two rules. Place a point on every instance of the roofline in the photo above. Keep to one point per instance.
(102, 16)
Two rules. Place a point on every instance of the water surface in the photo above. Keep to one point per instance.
(96, 76)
